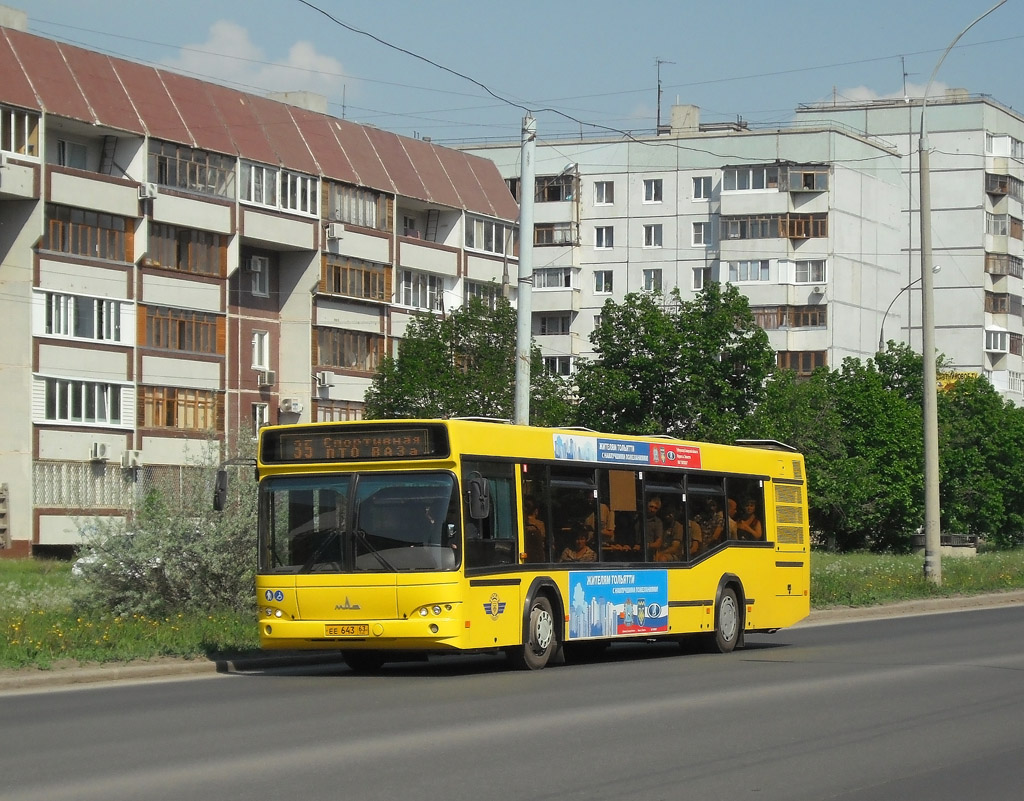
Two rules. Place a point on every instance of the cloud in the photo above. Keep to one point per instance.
(229, 56)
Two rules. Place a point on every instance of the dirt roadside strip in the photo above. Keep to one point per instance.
(32, 678)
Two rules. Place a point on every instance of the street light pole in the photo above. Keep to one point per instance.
(932, 512)
(881, 328)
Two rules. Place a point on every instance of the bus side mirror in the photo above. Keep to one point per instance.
(220, 490)
(479, 497)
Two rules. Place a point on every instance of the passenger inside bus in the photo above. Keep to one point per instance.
(579, 551)
(669, 547)
(535, 537)
(712, 523)
(749, 526)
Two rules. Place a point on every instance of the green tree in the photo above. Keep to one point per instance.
(463, 365)
(693, 369)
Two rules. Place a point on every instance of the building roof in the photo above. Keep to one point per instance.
(67, 81)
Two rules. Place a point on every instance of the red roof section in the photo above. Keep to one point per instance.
(67, 81)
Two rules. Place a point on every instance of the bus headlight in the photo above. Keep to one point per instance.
(423, 611)
(436, 610)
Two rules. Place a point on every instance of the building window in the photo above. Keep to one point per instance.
(299, 193)
(738, 179)
(553, 278)
(192, 170)
(773, 317)
(258, 268)
(181, 329)
(489, 236)
(602, 282)
(652, 280)
(806, 178)
(604, 237)
(743, 271)
(260, 417)
(261, 350)
(421, 290)
(1004, 264)
(554, 324)
(699, 238)
(176, 407)
(997, 224)
(802, 362)
(338, 411)
(652, 236)
(19, 131)
(702, 187)
(604, 193)
(487, 293)
(652, 190)
(411, 227)
(72, 154)
(259, 184)
(775, 226)
(563, 233)
(1003, 303)
(85, 318)
(558, 365)
(355, 278)
(185, 249)
(997, 341)
(554, 188)
(85, 233)
(701, 277)
(82, 402)
(350, 350)
(357, 206)
(811, 271)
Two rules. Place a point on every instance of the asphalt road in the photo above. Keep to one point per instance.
(910, 707)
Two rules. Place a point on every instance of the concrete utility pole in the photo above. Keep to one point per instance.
(932, 512)
(524, 313)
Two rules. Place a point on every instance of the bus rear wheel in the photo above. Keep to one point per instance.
(363, 661)
(727, 622)
(540, 640)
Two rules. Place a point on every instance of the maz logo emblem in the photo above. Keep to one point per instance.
(347, 605)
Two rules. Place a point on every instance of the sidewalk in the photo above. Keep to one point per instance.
(32, 678)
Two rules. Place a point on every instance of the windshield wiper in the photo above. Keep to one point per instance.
(361, 536)
(311, 562)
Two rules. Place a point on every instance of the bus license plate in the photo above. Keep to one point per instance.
(347, 630)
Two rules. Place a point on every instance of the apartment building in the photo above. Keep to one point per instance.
(804, 219)
(977, 200)
(181, 262)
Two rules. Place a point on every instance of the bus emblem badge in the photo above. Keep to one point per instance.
(494, 607)
(347, 605)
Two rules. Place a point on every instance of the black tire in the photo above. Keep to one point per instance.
(728, 622)
(540, 637)
(363, 661)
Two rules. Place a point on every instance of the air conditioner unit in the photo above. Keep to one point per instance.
(256, 264)
(130, 459)
(325, 379)
(335, 230)
(291, 406)
(148, 191)
(266, 378)
(98, 452)
(817, 291)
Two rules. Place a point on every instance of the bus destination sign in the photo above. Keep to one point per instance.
(340, 445)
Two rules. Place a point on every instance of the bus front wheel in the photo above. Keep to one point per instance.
(540, 640)
(727, 622)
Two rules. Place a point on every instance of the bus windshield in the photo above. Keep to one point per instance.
(357, 522)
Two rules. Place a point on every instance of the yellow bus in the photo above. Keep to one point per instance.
(395, 539)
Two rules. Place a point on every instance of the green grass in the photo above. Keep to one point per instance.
(41, 629)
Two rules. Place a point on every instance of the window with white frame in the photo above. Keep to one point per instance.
(700, 236)
(71, 154)
(19, 131)
(299, 193)
(421, 290)
(997, 224)
(259, 184)
(553, 278)
(261, 350)
(85, 318)
(558, 365)
(603, 282)
(738, 179)
(260, 417)
(82, 402)
(554, 324)
(489, 236)
(811, 271)
(488, 293)
(652, 280)
(701, 278)
(258, 268)
(997, 341)
(702, 187)
(604, 237)
(357, 206)
(749, 270)
(653, 190)
(652, 236)
(604, 193)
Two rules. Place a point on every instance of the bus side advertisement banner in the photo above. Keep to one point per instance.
(607, 604)
(625, 452)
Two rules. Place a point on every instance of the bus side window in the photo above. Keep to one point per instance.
(491, 540)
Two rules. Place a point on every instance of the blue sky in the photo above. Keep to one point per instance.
(595, 62)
